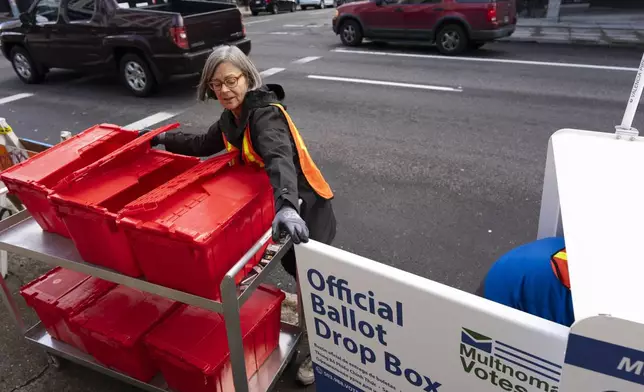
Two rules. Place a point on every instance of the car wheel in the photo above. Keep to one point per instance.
(451, 40)
(254, 13)
(137, 75)
(351, 33)
(25, 67)
(274, 9)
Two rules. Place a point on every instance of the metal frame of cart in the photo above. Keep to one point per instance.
(21, 234)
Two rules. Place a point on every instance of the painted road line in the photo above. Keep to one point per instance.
(15, 97)
(257, 21)
(271, 71)
(293, 25)
(150, 120)
(385, 83)
(482, 60)
(305, 60)
(284, 33)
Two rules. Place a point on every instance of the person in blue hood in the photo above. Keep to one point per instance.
(533, 278)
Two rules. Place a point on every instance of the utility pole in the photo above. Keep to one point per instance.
(553, 9)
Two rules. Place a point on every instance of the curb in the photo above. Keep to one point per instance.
(543, 40)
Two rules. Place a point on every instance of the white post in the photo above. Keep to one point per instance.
(14, 8)
(554, 6)
(626, 127)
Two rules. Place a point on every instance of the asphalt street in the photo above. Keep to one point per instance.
(437, 163)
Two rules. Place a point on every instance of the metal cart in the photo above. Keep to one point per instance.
(22, 235)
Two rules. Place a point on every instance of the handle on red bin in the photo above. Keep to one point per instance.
(150, 201)
(139, 141)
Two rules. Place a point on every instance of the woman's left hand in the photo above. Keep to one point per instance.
(289, 220)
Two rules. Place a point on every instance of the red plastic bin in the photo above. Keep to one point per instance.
(31, 181)
(113, 329)
(59, 295)
(191, 347)
(89, 202)
(189, 232)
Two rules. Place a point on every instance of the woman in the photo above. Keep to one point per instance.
(258, 126)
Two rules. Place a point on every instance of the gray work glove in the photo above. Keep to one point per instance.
(289, 220)
(158, 139)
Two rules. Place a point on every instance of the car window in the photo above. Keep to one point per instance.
(46, 11)
(80, 10)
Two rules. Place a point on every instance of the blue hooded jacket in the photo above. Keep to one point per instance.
(523, 279)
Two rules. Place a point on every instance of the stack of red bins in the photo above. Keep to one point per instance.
(61, 294)
(88, 203)
(32, 181)
(191, 348)
(113, 329)
(205, 219)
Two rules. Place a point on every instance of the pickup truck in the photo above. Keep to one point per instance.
(145, 42)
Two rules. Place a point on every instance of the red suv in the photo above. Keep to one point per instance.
(453, 25)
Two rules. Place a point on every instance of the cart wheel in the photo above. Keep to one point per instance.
(56, 362)
(294, 358)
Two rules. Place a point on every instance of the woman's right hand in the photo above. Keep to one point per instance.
(289, 220)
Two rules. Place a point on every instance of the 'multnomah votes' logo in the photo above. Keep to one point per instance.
(507, 367)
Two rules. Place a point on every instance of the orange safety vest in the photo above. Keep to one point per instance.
(310, 170)
(559, 263)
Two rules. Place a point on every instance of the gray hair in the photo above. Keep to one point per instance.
(233, 55)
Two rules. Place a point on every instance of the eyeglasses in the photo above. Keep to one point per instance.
(230, 82)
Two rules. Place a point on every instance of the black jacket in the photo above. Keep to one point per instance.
(272, 140)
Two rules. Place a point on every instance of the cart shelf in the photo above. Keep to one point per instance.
(21, 234)
(263, 380)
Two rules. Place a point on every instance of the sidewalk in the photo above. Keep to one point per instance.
(585, 26)
(245, 11)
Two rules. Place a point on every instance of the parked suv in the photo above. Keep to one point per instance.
(453, 25)
(272, 6)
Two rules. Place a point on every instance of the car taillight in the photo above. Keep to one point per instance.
(180, 37)
(491, 13)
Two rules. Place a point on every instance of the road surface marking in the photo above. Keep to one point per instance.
(475, 59)
(305, 60)
(284, 33)
(271, 71)
(384, 83)
(15, 97)
(150, 120)
(293, 25)
(257, 21)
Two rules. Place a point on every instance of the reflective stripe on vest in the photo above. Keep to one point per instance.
(310, 170)
(559, 263)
